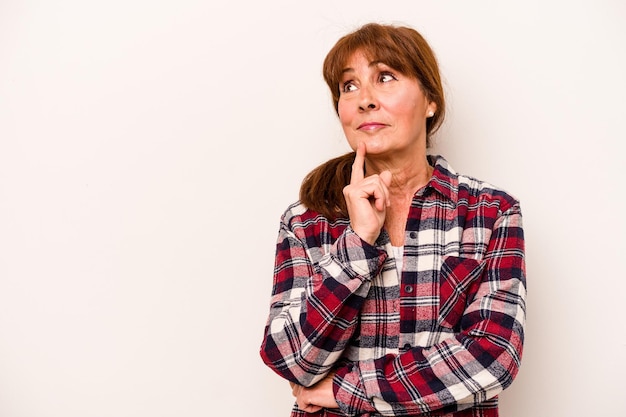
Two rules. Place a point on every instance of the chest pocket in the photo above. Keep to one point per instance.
(459, 279)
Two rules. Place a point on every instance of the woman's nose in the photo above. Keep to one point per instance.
(367, 101)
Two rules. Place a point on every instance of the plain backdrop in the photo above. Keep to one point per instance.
(148, 149)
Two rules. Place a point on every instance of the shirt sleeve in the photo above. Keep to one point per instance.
(474, 365)
(315, 305)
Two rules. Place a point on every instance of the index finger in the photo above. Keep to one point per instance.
(358, 166)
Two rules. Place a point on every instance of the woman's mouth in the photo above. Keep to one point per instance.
(369, 126)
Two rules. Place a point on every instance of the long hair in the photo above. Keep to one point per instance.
(322, 188)
(406, 51)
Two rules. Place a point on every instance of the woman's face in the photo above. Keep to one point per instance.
(381, 107)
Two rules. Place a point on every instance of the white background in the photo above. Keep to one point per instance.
(148, 149)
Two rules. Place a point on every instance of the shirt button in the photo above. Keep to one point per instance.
(413, 235)
(408, 288)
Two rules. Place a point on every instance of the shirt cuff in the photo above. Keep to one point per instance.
(350, 392)
(364, 259)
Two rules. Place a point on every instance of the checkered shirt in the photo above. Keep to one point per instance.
(442, 339)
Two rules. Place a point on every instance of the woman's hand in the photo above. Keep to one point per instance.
(367, 198)
(318, 396)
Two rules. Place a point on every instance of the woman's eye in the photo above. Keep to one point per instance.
(385, 77)
(348, 86)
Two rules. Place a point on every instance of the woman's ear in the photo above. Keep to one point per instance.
(431, 109)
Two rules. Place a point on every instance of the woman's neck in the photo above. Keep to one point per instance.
(407, 176)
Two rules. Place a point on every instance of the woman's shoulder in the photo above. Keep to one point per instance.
(298, 216)
(471, 190)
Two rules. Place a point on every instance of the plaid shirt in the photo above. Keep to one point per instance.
(443, 339)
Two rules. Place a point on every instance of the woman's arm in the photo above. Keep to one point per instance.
(315, 305)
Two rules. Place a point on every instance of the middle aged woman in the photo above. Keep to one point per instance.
(399, 284)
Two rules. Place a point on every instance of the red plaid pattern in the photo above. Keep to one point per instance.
(442, 340)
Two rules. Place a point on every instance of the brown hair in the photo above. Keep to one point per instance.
(403, 49)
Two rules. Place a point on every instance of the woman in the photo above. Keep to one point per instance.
(399, 284)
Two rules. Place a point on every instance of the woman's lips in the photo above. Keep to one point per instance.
(371, 126)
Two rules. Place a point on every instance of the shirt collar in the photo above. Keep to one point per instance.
(444, 180)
